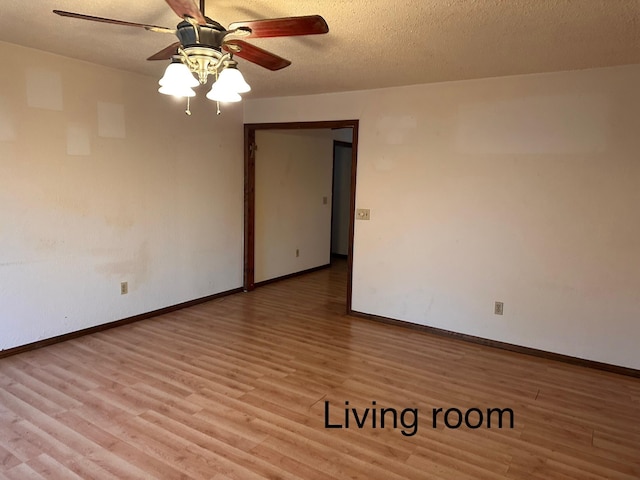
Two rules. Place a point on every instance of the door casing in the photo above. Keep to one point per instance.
(250, 185)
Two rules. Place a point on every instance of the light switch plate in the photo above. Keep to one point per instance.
(363, 214)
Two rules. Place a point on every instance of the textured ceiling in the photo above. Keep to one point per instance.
(371, 43)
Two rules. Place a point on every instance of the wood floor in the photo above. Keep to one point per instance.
(237, 389)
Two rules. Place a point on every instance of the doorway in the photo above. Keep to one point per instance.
(250, 152)
(341, 195)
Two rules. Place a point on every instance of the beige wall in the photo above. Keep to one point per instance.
(520, 189)
(104, 180)
(293, 174)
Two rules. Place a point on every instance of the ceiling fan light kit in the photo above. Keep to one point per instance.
(222, 95)
(178, 80)
(231, 76)
(204, 49)
(229, 86)
(202, 61)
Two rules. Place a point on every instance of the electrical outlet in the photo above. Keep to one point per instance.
(124, 288)
(297, 252)
(498, 308)
(363, 214)
(325, 200)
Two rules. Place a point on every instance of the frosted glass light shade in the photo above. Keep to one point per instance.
(178, 74)
(177, 91)
(220, 93)
(232, 79)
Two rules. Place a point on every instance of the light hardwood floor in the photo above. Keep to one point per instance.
(236, 389)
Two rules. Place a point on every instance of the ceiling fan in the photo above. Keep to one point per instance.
(205, 47)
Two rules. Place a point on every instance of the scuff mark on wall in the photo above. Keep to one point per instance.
(394, 129)
(111, 120)
(120, 219)
(78, 142)
(7, 128)
(134, 270)
(44, 89)
(567, 124)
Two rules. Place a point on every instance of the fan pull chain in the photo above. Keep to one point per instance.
(217, 102)
(188, 110)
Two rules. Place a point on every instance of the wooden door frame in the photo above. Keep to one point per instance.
(250, 186)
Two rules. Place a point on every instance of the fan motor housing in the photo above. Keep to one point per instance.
(211, 35)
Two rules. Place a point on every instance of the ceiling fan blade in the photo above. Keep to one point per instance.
(166, 53)
(80, 16)
(255, 55)
(187, 8)
(284, 27)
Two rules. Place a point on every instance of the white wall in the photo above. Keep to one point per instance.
(104, 180)
(293, 174)
(521, 189)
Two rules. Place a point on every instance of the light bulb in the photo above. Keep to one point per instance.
(177, 91)
(178, 74)
(221, 93)
(232, 79)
